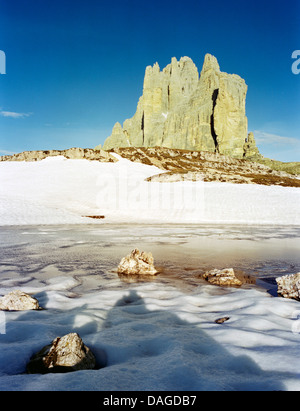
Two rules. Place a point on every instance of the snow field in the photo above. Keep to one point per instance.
(60, 191)
(153, 337)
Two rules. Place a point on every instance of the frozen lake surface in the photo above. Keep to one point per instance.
(158, 334)
(89, 254)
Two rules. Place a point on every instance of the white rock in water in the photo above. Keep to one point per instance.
(225, 277)
(18, 301)
(137, 263)
(289, 286)
(64, 354)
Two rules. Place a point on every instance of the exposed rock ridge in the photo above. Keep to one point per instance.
(71, 153)
(179, 109)
(179, 165)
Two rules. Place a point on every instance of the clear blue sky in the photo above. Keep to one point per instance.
(74, 67)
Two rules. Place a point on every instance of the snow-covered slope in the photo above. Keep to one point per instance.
(57, 190)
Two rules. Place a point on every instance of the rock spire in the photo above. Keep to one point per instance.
(180, 109)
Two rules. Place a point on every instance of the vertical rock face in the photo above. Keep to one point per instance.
(179, 109)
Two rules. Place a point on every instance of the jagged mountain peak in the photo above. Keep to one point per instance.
(182, 110)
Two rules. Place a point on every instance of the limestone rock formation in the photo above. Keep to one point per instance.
(18, 301)
(137, 263)
(180, 110)
(224, 277)
(289, 286)
(250, 148)
(64, 354)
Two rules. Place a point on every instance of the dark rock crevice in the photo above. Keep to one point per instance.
(212, 120)
(143, 127)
